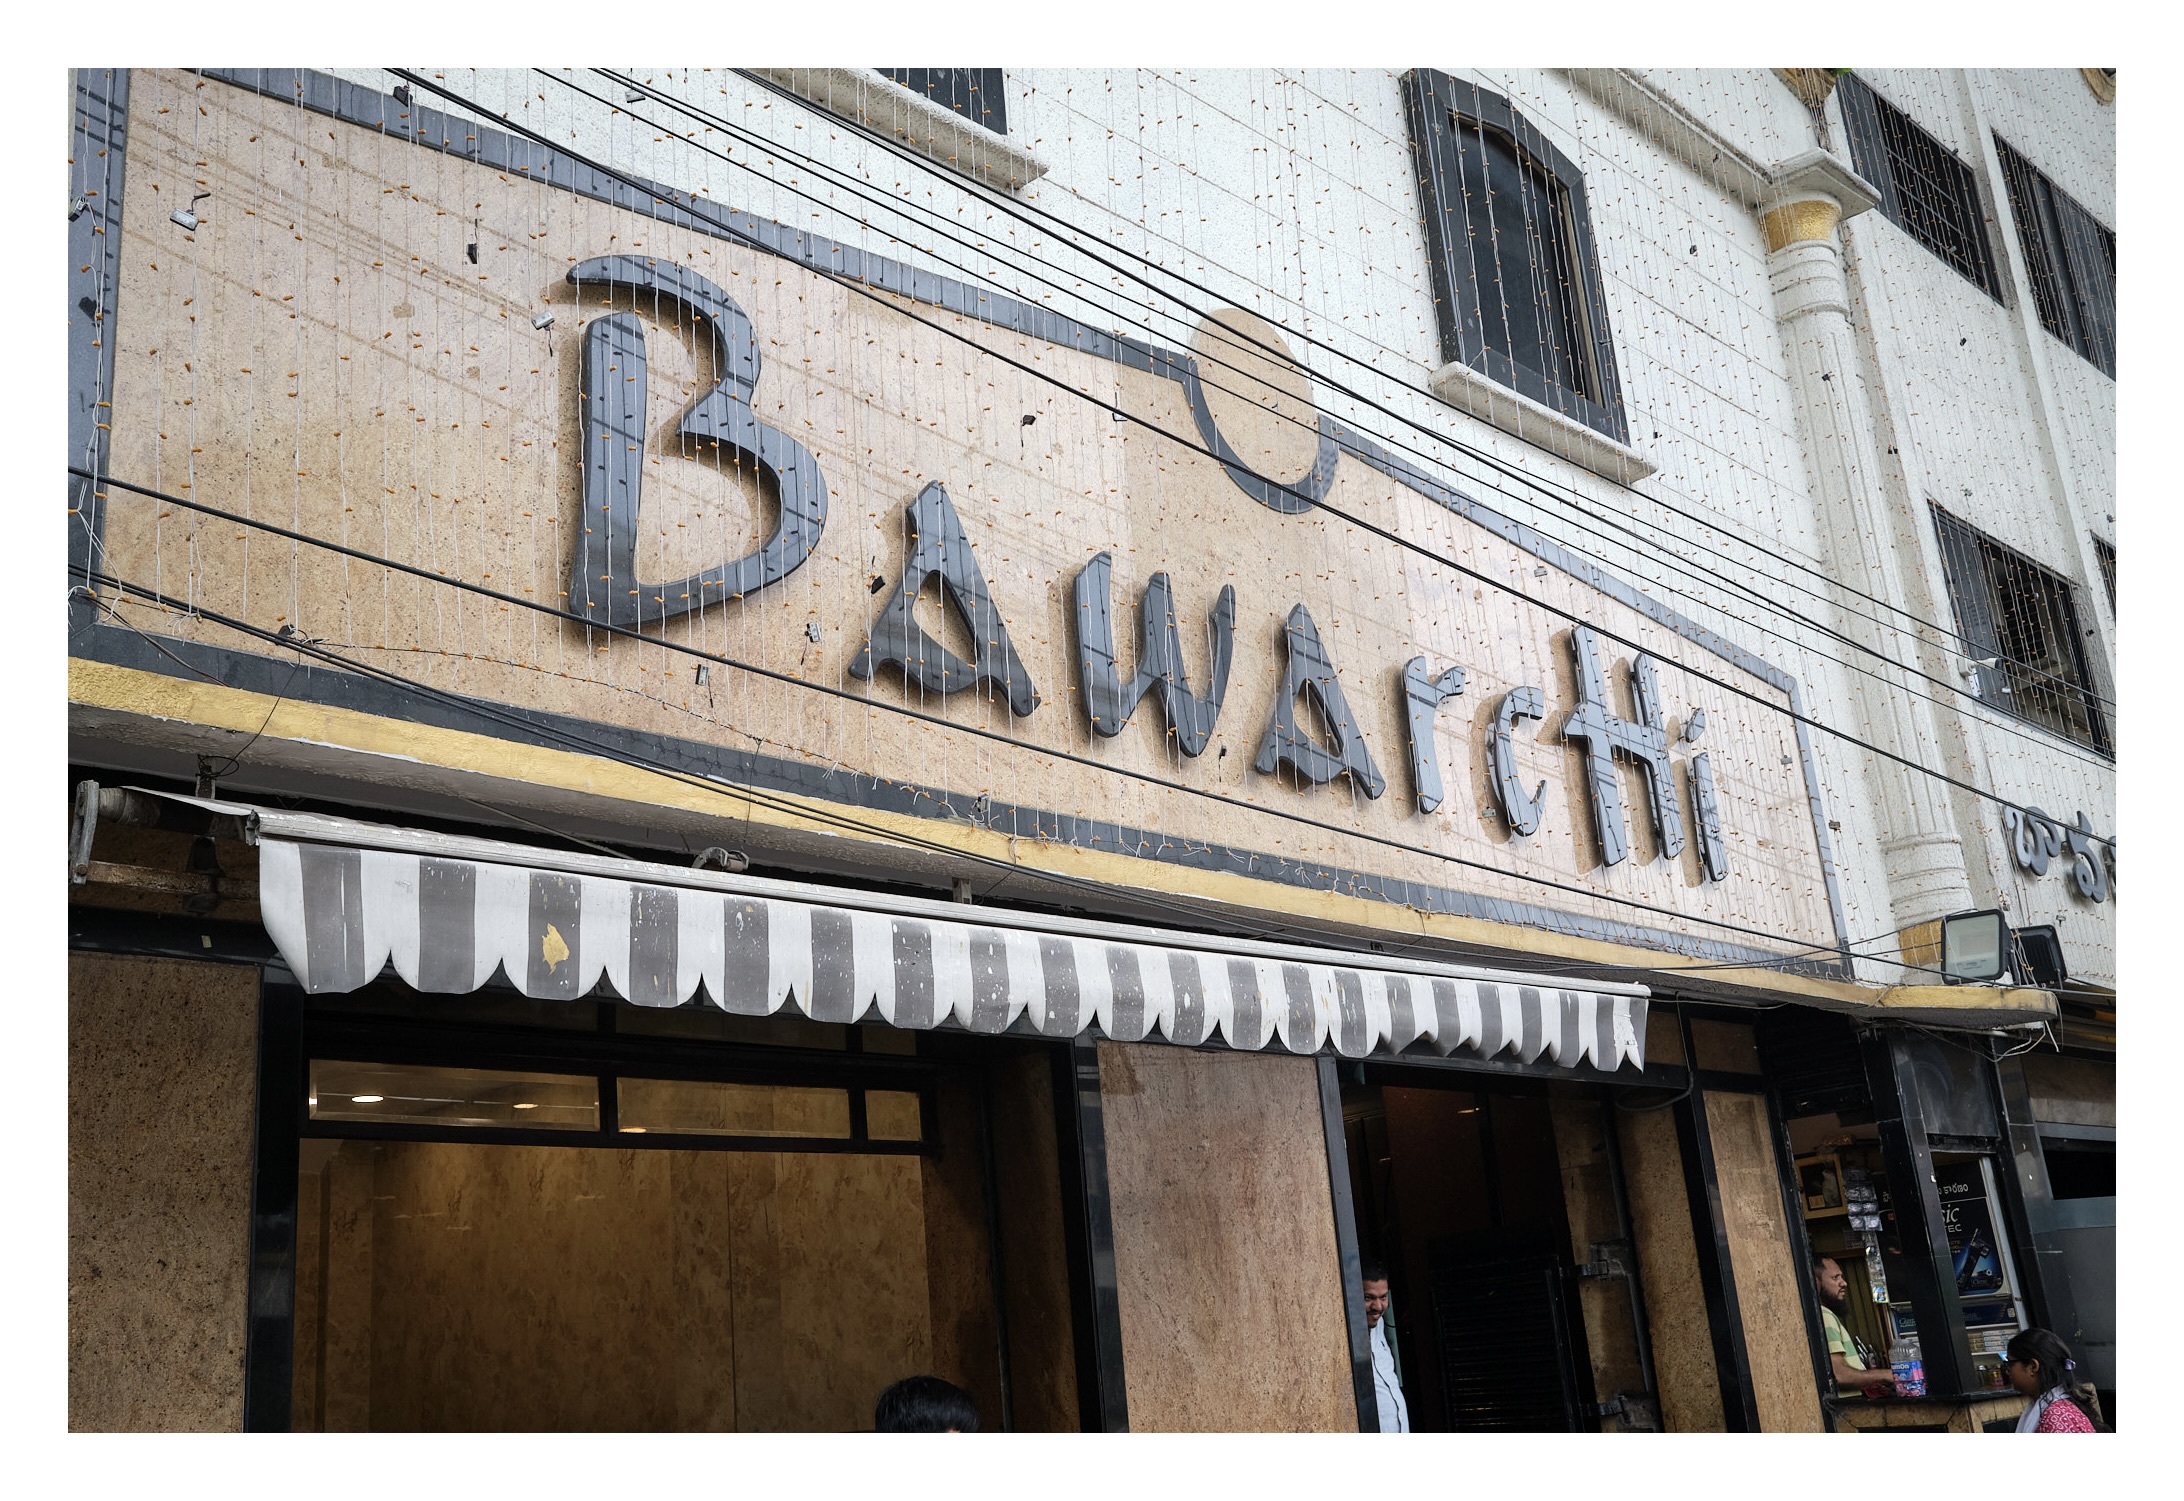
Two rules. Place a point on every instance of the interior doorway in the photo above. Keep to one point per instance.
(1458, 1193)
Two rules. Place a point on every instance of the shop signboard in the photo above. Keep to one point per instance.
(888, 547)
(1967, 1215)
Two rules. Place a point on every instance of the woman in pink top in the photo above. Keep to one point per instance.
(2038, 1364)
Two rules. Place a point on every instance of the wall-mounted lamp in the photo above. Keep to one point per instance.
(543, 321)
(2041, 948)
(187, 217)
(1975, 947)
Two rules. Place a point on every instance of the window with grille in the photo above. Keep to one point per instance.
(1926, 189)
(2070, 257)
(1516, 287)
(2105, 551)
(2021, 618)
(973, 93)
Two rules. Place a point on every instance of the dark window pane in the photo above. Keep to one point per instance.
(702, 1107)
(2070, 257)
(2024, 618)
(414, 1095)
(1925, 188)
(2080, 1170)
(893, 1115)
(1516, 288)
(1520, 256)
(974, 93)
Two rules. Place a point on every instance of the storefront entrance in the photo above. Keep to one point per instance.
(521, 1215)
(1459, 1193)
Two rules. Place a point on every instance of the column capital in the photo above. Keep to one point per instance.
(1809, 195)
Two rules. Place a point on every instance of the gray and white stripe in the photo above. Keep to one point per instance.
(341, 915)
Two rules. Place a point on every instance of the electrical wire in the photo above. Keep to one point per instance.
(720, 659)
(723, 787)
(1025, 211)
(298, 642)
(1361, 523)
(368, 557)
(1565, 495)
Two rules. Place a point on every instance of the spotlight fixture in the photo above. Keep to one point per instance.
(543, 321)
(187, 217)
(1975, 948)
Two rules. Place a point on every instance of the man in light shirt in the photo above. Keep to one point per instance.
(1854, 1366)
(1387, 1380)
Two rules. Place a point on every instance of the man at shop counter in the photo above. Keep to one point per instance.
(1387, 1380)
(1849, 1358)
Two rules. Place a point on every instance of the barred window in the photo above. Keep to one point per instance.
(1516, 286)
(2070, 257)
(1926, 189)
(2105, 551)
(973, 93)
(2023, 620)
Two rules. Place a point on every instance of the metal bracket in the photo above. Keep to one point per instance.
(1632, 1412)
(83, 823)
(1609, 1259)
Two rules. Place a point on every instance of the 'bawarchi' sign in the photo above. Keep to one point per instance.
(604, 580)
(988, 564)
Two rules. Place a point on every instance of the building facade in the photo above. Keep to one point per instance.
(740, 732)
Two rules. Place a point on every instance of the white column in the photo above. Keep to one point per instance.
(1921, 846)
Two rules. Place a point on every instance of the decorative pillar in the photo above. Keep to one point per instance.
(1811, 195)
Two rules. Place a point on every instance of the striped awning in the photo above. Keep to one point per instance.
(345, 900)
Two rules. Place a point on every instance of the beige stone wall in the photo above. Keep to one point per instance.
(1225, 1261)
(162, 1083)
(323, 353)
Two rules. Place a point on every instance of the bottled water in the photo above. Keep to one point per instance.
(1907, 1366)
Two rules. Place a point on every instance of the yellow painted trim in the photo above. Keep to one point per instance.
(1807, 219)
(2024, 999)
(1920, 944)
(151, 695)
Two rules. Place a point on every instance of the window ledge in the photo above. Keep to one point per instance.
(933, 130)
(1482, 397)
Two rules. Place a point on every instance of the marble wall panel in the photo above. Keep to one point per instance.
(460, 1286)
(828, 1270)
